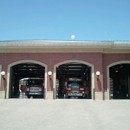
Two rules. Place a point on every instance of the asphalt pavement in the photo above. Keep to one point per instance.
(64, 114)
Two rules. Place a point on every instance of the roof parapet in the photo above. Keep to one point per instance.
(55, 44)
(64, 44)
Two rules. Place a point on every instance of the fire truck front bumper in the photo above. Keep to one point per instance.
(34, 93)
(76, 94)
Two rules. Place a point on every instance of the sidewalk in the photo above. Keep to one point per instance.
(64, 114)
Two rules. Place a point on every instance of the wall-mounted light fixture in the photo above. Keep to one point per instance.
(49, 73)
(98, 74)
(3, 74)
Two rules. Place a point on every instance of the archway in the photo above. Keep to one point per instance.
(118, 80)
(76, 69)
(24, 69)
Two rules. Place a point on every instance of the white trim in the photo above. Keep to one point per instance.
(78, 61)
(108, 75)
(24, 61)
(2, 94)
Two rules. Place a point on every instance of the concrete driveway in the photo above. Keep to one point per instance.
(64, 114)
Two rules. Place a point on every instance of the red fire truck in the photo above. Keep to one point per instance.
(32, 86)
(75, 87)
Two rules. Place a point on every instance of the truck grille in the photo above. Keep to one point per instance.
(75, 88)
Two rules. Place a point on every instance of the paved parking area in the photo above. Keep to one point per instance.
(64, 114)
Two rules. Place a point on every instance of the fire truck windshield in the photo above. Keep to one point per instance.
(74, 83)
(34, 83)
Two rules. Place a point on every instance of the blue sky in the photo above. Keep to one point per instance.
(59, 19)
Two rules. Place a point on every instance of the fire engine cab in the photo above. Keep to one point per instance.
(75, 87)
(32, 86)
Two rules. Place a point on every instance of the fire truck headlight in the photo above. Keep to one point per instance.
(27, 89)
(40, 89)
(81, 88)
(83, 92)
(68, 88)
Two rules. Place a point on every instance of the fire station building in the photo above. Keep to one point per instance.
(105, 65)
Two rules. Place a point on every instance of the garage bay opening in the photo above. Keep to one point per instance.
(73, 80)
(120, 81)
(27, 81)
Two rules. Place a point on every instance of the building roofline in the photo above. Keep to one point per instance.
(64, 44)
